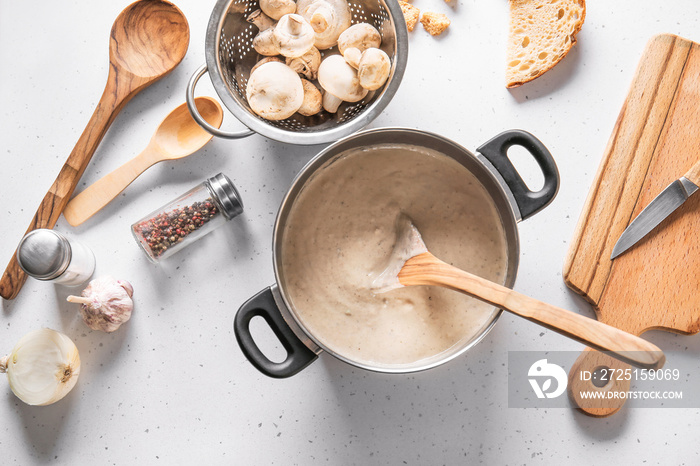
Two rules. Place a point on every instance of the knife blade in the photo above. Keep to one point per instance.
(661, 207)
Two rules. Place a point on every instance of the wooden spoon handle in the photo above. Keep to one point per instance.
(426, 269)
(57, 197)
(100, 193)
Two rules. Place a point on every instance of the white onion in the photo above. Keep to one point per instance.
(43, 367)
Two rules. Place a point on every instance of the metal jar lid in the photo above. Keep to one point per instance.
(44, 254)
(226, 194)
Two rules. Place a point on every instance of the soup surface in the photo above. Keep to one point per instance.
(341, 231)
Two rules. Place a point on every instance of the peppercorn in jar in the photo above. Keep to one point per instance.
(184, 220)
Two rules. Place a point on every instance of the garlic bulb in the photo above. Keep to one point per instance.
(43, 367)
(106, 303)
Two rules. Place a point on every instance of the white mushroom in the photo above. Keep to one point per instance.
(312, 99)
(293, 36)
(361, 36)
(275, 9)
(261, 20)
(340, 82)
(263, 61)
(353, 56)
(329, 18)
(306, 65)
(373, 69)
(264, 44)
(275, 91)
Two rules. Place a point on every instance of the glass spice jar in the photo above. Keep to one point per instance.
(184, 220)
(48, 255)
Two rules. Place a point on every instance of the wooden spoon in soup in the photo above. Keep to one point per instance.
(411, 264)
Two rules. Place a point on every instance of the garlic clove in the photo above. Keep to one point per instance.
(43, 367)
(127, 287)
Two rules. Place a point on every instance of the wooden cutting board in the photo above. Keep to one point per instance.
(656, 284)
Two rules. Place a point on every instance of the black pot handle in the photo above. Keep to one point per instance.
(298, 355)
(496, 151)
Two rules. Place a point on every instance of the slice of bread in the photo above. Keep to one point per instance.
(541, 33)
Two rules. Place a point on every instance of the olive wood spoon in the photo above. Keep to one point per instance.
(177, 136)
(149, 38)
(413, 265)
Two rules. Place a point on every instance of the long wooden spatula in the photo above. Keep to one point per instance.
(412, 264)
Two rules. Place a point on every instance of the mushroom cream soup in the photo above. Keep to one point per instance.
(341, 228)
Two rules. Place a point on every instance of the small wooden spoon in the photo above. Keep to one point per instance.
(149, 39)
(177, 136)
(412, 264)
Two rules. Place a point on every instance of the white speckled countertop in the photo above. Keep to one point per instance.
(172, 386)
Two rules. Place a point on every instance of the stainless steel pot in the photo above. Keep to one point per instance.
(491, 166)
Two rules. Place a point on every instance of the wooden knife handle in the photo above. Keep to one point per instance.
(694, 174)
(112, 101)
(426, 269)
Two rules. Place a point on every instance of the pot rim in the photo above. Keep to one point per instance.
(338, 148)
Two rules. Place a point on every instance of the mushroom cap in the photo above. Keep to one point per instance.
(312, 99)
(374, 68)
(263, 61)
(274, 91)
(293, 36)
(353, 56)
(361, 36)
(340, 79)
(264, 44)
(329, 18)
(275, 9)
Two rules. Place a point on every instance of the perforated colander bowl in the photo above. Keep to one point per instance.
(230, 57)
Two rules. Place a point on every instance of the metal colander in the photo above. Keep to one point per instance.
(230, 57)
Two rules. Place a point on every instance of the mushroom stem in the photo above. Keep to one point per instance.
(319, 20)
(261, 20)
(295, 26)
(3, 364)
(78, 299)
(331, 102)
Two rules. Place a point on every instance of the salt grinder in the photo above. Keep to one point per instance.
(49, 256)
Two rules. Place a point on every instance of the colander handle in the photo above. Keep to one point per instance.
(199, 119)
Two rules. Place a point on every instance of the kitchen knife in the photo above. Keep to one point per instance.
(661, 207)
